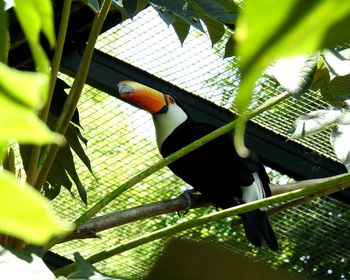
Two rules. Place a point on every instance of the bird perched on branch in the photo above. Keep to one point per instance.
(215, 169)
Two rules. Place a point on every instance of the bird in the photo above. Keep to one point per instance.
(215, 169)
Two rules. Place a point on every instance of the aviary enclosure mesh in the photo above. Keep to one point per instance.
(314, 237)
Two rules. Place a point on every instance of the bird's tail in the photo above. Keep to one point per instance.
(257, 228)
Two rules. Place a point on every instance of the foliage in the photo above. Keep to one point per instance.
(260, 43)
(182, 14)
(19, 122)
(331, 79)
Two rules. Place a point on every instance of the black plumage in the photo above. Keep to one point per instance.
(218, 172)
(215, 169)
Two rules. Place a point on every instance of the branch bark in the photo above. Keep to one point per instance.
(309, 191)
(114, 219)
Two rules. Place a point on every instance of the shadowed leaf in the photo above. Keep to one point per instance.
(340, 142)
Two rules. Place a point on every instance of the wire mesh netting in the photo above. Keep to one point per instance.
(122, 142)
(313, 237)
(147, 43)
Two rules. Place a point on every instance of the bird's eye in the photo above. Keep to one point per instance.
(171, 100)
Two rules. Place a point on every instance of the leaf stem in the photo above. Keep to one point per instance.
(56, 61)
(74, 95)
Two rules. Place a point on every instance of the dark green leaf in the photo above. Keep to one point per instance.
(86, 271)
(166, 15)
(51, 191)
(59, 98)
(181, 9)
(340, 142)
(56, 178)
(130, 6)
(215, 28)
(295, 74)
(181, 28)
(230, 47)
(73, 141)
(225, 12)
(94, 5)
(65, 158)
(117, 4)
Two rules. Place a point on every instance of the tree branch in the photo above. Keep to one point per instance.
(114, 219)
(309, 191)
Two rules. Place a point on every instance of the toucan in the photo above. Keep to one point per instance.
(215, 170)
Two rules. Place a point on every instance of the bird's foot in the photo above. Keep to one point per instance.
(188, 195)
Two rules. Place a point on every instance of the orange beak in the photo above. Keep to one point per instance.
(148, 98)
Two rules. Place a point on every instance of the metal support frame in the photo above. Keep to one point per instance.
(275, 151)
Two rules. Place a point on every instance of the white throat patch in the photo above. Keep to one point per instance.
(165, 123)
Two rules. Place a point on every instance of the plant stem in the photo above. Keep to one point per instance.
(74, 95)
(340, 182)
(56, 62)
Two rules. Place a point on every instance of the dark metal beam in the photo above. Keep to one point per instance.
(274, 150)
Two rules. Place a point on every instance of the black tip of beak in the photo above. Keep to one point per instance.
(123, 88)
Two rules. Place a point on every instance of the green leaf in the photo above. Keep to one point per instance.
(21, 124)
(315, 121)
(21, 94)
(3, 150)
(25, 214)
(4, 37)
(28, 89)
(340, 142)
(215, 28)
(86, 271)
(295, 74)
(181, 28)
(35, 16)
(265, 35)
